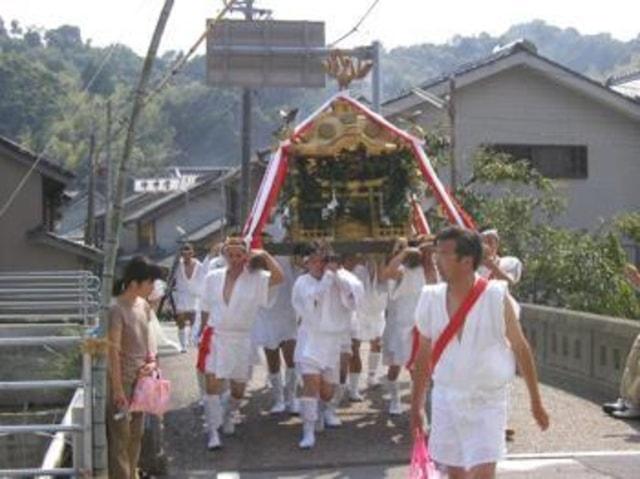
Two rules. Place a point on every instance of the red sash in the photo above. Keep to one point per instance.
(204, 348)
(454, 326)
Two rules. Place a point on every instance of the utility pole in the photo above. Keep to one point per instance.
(113, 228)
(376, 80)
(90, 227)
(451, 113)
(247, 9)
(110, 172)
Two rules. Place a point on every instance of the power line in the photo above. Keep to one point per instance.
(357, 25)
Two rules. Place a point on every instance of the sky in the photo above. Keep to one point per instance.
(393, 22)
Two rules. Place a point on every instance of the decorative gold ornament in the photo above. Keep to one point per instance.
(342, 127)
(345, 69)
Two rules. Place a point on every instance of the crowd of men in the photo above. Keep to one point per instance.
(313, 312)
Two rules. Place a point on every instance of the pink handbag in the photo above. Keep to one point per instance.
(151, 394)
(422, 467)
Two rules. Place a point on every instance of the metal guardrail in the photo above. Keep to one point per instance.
(52, 297)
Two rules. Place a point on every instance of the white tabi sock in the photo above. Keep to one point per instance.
(395, 407)
(309, 413)
(277, 390)
(338, 395)
(212, 411)
(354, 387)
(373, 361)
(182, 339)
(291, 381)
(213, 414)
(330, 414)
(231, 407)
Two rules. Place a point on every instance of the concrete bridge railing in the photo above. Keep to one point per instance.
(582, 350)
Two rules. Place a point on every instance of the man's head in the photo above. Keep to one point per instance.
(491, 240)
(458, 252)
(317, 258)
(187, 251)
(216, 248)
(236, 252)
(350, 261)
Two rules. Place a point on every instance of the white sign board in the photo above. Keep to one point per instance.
(164, 185)
(266, 53)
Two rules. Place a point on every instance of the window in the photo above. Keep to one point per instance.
(552, 161)
(146, 234)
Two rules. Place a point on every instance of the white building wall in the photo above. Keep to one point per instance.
(521, 106)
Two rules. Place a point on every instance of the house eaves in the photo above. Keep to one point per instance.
(47, 238)
(44, 166)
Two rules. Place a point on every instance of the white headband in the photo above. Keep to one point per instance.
(492, 232)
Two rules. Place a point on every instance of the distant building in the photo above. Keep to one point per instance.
(155, 223)
(28, 240)
(581, 133)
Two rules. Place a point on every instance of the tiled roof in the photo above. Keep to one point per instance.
(45, 166)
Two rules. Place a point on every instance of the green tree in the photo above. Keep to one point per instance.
(564, 268)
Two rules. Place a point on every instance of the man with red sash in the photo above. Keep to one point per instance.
(231, 299)
(470, 341)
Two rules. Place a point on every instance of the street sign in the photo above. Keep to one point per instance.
(164, 185)
(267, 53)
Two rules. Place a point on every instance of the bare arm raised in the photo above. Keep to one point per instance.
(277, 275)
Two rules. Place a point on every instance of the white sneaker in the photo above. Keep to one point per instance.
(278, 408)
(293, 407)
(372, 381)
(214, 441)
(308, 436)
(331, 419)
(395, 407)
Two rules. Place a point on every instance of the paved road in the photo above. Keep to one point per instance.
(372, 444)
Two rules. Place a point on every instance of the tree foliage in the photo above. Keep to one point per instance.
(565, 268)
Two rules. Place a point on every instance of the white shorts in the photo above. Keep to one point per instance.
(230, 357)
(368, 328)
(185, 303)
(319, 354)
(397, 342)
(467, 429)
(268, 333)
(330, 375)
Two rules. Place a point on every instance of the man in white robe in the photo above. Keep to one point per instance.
(367, 326)
(494, 266)
(406, 277)
(232, 297)
(324, 298)
(189, 277)
(275, 330)
(507, 268)
(469, 398)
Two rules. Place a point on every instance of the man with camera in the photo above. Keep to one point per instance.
(325, 299)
